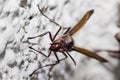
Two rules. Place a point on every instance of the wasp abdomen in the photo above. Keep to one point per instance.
(69, 42)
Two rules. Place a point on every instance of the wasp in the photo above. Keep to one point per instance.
(65, 43)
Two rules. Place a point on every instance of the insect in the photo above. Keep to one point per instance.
(65, 43)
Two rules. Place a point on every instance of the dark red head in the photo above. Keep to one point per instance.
(57, 45)
(62, 44)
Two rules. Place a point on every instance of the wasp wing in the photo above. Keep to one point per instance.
(89, 53)
(81, 23)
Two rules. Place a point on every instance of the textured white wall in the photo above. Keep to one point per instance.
(21, 18)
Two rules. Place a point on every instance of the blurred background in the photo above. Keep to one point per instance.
(20, 19)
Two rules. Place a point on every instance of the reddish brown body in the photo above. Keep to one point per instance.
(64, 43)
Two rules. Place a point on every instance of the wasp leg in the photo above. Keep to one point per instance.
(38, 51)
(42, 35)
(57, 33)
(71, 58)
(67, 30)
(48, 17)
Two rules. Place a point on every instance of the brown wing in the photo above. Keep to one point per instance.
(81, 23)
(89, 53)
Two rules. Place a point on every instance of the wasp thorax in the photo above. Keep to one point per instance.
(57, 45)
(69, 42)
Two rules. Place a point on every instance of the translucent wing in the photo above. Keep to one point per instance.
(89, 54)
(81, 23)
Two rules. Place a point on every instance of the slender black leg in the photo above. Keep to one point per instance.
(53, 65)
(67, 30)
(50, 35)
(64, 57)
(71, 58)
(48, 55)
(39, 67)
(38, 51)
(42, 35)
(41, 52)
(57, 33)
(48, 17)
(34, 71)
(58, 61)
